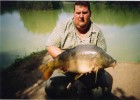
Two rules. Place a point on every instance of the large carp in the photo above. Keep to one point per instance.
(80, 59)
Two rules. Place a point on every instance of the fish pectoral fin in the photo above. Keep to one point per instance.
(96, 73)
(95, 68)
(78, 76)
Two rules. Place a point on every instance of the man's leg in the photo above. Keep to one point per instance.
(98, 88)
(56, 85)
(105, 80)
(78, 90)
(63, 86)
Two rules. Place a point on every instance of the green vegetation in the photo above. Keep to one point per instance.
(120, 13)
(34, 59)
(22, 74)
(39, 5)
(28, 5)
(39, 22)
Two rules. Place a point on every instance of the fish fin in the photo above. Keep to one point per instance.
(77, 76)
(47, 69)
(68, 86)
(45, 66)
(96, 72)
(114, 64)
(53, 64)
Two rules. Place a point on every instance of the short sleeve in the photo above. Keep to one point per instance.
(54, 38)
(101, 41)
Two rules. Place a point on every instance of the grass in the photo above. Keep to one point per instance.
(22, 74)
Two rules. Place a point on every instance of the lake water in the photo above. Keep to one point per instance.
(26, 31)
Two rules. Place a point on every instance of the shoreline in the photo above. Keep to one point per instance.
(126, 80)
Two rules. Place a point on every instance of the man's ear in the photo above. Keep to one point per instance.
(90, 13)
(73, 9)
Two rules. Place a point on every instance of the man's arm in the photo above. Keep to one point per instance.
(52, 45)
(54, 51)
(54, 41)
(47, 71)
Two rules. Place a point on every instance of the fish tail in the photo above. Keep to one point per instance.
(47, 69)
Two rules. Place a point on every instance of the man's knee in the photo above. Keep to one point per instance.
(109, 80)
(56, 87)
(105, 81)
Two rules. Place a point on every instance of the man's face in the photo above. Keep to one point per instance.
(81, 16)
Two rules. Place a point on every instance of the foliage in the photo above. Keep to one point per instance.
(34, 5)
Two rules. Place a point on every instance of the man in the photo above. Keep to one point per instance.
(76, 31)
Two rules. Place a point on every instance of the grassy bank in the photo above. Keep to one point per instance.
(22, 74)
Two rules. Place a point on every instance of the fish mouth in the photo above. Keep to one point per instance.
(114, 63)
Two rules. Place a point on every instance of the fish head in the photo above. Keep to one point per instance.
(103, 60)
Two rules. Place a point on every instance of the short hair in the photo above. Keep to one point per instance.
(83, 3)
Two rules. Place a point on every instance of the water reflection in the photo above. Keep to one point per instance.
(40, 22)
(23, 32)
(122, 16)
